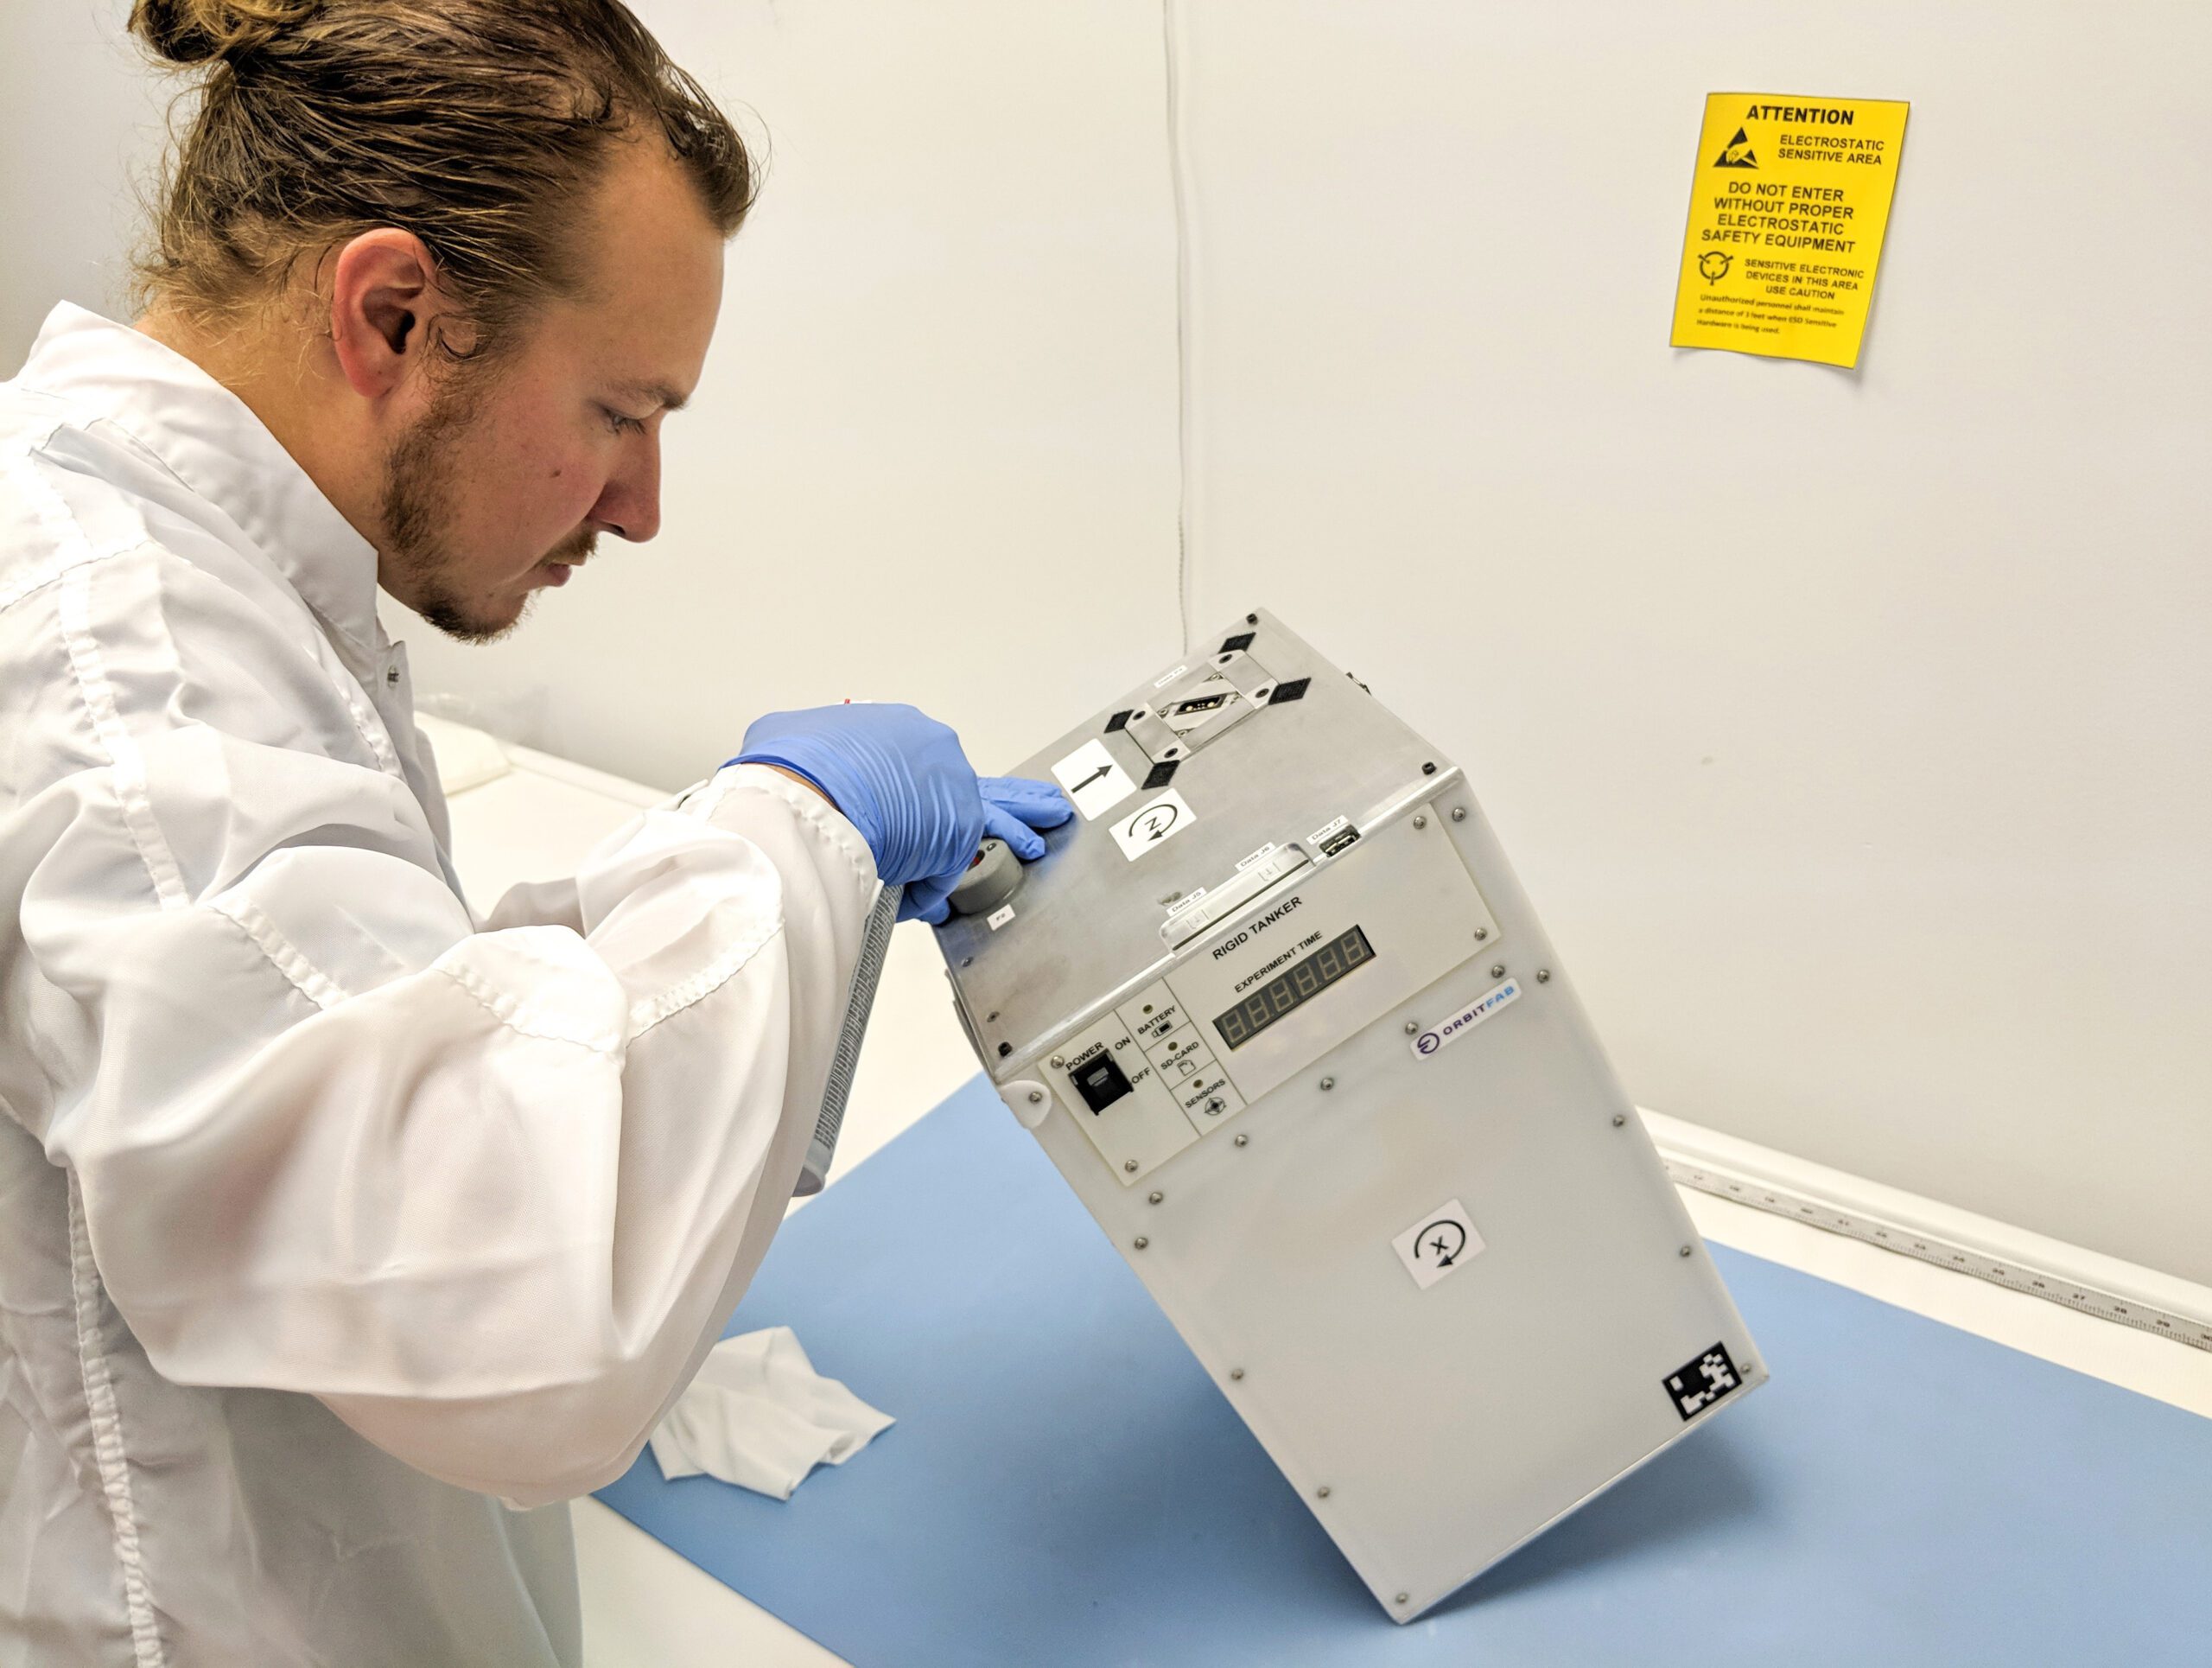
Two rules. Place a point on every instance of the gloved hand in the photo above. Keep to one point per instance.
(1014, 809)
(900, 779)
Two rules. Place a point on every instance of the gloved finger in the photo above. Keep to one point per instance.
(1023, 841)
(1041, 805)
(924, 900)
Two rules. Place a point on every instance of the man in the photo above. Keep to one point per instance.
(338, 1229)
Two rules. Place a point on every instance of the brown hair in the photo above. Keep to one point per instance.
(472, 124)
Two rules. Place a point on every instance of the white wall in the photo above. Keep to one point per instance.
(78, 114)
(1853, 731)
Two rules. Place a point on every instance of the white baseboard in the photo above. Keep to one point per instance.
(1765, 1179)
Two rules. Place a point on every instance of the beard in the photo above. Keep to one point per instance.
(421, 486)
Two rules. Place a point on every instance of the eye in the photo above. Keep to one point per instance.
(619, 423)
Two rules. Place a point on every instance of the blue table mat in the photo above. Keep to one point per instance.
(1065, 1486)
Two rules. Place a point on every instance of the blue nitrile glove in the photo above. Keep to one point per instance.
(900, 779)
(1015, 808)
(898, 776)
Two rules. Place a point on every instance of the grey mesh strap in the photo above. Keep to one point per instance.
(875, 942)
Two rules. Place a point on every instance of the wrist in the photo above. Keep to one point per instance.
(802, 780)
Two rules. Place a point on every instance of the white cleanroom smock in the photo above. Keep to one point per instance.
(333, 1220)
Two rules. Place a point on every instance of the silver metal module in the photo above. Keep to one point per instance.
(1270, 870)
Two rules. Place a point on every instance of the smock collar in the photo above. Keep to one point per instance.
(211, 441)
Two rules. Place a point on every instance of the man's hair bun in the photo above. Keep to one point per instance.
(194, 31)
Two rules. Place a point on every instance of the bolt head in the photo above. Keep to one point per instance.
(1243, 1140)
(1130, 1165)
(1036, 1097)
(1619, 1118)
(1497, 970)
(1543, 976)
(1237, 1372)
(1322, 1493)
(1405, 1598)
(1059, 1061)
(1685, 1251)
(1459, 814)
(1420, 822)
(1328, 1082)
(1412, 1028)
(1155, 1197)
(1481, 933)
(1140, 1242)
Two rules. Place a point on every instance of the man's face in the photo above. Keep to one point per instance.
(503, 487)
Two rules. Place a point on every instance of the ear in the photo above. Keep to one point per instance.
(384, 300)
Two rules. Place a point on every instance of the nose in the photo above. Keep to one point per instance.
(629, 507)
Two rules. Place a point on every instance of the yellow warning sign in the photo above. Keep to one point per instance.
(1787, 213)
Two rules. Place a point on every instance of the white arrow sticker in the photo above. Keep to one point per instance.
(1092, 779)
(1157, 819)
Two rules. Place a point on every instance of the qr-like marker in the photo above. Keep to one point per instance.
(1699, 1384)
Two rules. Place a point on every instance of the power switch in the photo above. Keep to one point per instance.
(1099, 1081)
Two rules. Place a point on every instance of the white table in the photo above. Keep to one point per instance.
(520, 815)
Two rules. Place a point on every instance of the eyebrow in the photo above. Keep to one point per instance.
(665, 398)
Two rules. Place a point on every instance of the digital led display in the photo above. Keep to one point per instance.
(1301, 983)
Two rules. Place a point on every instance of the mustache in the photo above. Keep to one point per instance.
(577, 546)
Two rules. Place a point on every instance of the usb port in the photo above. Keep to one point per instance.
(1338, 841)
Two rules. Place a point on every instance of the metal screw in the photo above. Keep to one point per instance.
(1459, 814)
(1237, 1372)
(1155, 1197)
(1420, 822)
(1322, 1493)
(1685, 1251)
(967, 961)
(1328, 1082)
(1405, 1598)
(1059, 1061)
(1140, 1242)
(1036, 1097)
(1413, 1026)
(1481, 933)
(1619, 1118)
(1543, 976)
(1130, 1165)
(1243, 1141)
(1497, 970)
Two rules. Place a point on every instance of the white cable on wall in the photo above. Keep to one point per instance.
(1170, 24)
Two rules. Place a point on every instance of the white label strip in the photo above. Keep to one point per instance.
(1442, 1035)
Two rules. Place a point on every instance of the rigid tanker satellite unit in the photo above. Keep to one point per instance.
(1277, 1008)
